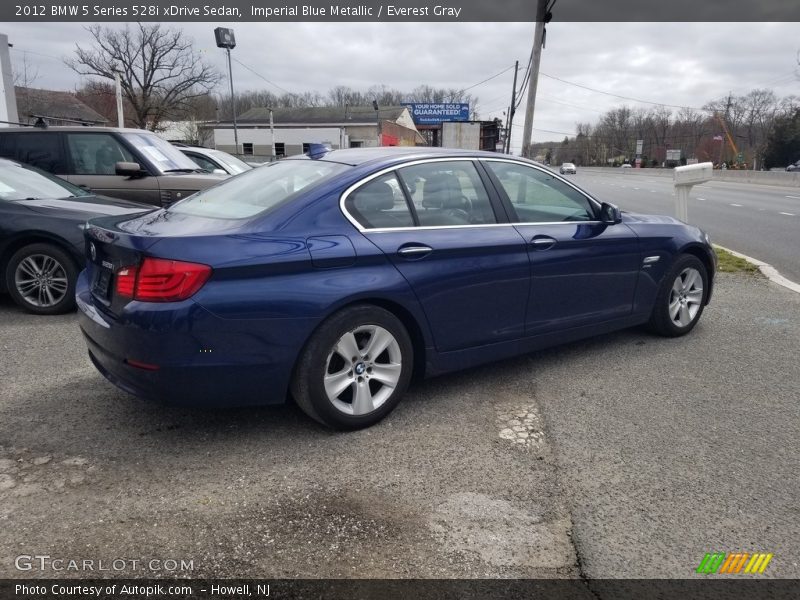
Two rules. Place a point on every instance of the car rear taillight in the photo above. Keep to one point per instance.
(161, 280)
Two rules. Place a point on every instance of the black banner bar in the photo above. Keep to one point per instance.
(396, 589)
(395, 11)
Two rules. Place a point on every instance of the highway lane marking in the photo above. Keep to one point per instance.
(703, 199)
(739, 205)
(794, 197)
(788, 214)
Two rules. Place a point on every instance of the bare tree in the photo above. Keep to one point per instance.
(25, 75)
(159, 70)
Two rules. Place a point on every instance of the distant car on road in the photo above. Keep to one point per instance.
(337, 276)
(41, 235)
(132, 164)
(215, 161)
(626, 166)
(568, 168)
(794, 166)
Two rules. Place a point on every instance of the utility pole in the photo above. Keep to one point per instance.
(118, 86)
(233, 103)
(272, 135)
(512, 110)
(536, 55)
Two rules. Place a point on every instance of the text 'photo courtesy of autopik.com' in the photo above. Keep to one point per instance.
(399, 299)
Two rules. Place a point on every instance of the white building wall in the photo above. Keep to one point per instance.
(288, 136)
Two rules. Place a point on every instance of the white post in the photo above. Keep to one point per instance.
(120, 116)
(684, 178)
(682, 202)
(272, 135)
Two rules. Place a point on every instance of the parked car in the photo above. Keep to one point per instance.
(132, 164)
(41, 235)
(336, 278)
(214, 161)
(568, 168)
(794, 166)
(626, 166)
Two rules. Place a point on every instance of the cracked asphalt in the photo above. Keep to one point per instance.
(626, 455)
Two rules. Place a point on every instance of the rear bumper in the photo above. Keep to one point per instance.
(200, 359)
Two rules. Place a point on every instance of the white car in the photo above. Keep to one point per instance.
(625, 166)
(215, 161)
(568, 168)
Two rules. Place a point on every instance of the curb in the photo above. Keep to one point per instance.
(766, 269)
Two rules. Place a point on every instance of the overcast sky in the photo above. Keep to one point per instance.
(672, 63)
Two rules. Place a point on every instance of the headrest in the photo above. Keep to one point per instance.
(442, 190)
(375, 196)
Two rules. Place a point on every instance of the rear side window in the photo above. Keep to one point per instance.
(42, 150)
(448, 193)
(380, 204)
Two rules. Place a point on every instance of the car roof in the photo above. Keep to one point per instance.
(80, 128)
(359, 156)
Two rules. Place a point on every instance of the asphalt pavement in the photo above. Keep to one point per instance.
(627, 455)
(757, 220)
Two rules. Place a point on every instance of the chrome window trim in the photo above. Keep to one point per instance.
(471, 159)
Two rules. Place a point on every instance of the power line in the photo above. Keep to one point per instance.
(479, 83)
(257, 74)
(591, 89)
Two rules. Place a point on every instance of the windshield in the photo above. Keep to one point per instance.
(161, 154)
(25, 183)
(234, 164)
(257, 190)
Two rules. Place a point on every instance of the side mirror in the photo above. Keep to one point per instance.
(219, 172)
(610, 214)
(130, 169)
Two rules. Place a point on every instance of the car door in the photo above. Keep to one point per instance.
(92, 157)
(582, 271)
(435, 222)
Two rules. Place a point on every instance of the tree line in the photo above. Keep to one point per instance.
(738, 130)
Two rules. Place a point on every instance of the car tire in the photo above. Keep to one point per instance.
(41, 279)
(342, 393)
(681, 297)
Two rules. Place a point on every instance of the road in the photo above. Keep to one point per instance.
(757, 220)
(627, 455)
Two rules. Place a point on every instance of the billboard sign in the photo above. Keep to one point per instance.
(674, 154)
(434, 114)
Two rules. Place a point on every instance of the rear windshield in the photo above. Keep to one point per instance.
(257, 190)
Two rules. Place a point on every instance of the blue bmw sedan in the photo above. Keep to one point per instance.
(337, 277)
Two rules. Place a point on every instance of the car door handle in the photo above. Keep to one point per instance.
(414, 251)
(543, 243)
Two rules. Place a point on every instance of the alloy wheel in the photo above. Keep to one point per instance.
(362, 370)
(41, 280)
(686, 297)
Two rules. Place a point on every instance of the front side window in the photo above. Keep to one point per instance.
(96, 153)
(257, 190)
(540, 197)
(379, 204)
(448, 193)
(203, 162)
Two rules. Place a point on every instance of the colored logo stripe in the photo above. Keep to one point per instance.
(719, 562)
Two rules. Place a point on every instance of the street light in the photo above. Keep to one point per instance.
(226, 39)
(377, 119)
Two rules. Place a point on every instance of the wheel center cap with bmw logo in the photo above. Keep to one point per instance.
(360, 368)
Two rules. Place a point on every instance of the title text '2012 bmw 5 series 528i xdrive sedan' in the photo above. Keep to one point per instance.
(335, 277)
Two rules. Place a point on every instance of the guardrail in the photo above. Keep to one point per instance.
(776, 178)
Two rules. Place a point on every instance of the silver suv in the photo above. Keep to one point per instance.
(133, 164)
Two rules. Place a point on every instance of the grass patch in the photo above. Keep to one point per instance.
(728, 263)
